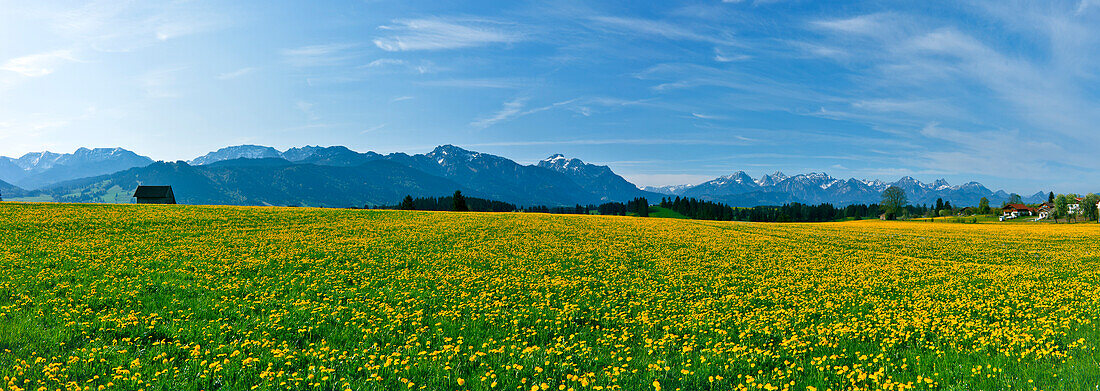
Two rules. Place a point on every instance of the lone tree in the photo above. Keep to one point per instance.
(1050, 197)
(460, 202)
(1088, 207)
(1015, 199)
(407, 203)
(1061, 206)
(983, 206)
(893, 200)
(640, 206)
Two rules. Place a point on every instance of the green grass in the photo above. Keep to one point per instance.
(657, 211)
(145, 297)
(39, 198)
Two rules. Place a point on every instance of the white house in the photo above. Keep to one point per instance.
(1012, 211)
(1045, 212)
(1075, 206)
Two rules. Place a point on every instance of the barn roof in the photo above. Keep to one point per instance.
(153, 192)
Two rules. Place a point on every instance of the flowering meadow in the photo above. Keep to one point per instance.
(138, 297)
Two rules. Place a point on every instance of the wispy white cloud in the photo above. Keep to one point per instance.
(654, 28)
(733, 141)
(121, 26)
(585, 106)
(510, 110)
(825, 50)
(373, 128)
(475, 83)
(402, 98)
(908, 70)
(925, 107)
(237, 73)
(381, 62)
(444, 33)
(319, 55)
(1084, 6)
(862, 24)
(40, 64)
(706, 116)
(34, 124)
(720, 56)
(422, 68)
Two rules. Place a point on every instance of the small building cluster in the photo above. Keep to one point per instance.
(1043, 211)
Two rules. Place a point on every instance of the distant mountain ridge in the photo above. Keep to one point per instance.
(9, 190)
(739, 189)
(39, 169)
(337, 176)
(595, 179)
(269, 181)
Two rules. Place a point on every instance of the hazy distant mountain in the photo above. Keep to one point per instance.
(264, 182)
(38, 169)
(499, 178)
(9, 171)
(338, 176)
(672, 190)
(237, 152)
(9, 190)
(736, 183)
(771, 180)
(739, 189)
(324, 156)
(329, 156)
(598, 180)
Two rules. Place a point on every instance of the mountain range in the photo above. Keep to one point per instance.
(339, 177)
(739, 189)
(40, 169)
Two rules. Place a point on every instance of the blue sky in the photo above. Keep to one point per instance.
(1003, 92)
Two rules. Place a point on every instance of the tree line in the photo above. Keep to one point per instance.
(456, 202)
(894, 205)
(461, 203)
(791, 212)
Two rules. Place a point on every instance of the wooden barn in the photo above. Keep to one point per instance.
(155, 195)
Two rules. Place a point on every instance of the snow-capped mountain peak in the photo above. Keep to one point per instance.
(237, 152)
(737, 177)
(876, 184)
(450, 155)
(820, 187)
(668, 189)
(560, 163)
(941, 184)
(813, 177)
(37, 160)
(771, 180)
(37, 169)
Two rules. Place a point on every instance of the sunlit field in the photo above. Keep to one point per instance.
(134, 297)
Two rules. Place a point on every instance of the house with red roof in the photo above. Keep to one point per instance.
(1016, 210)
